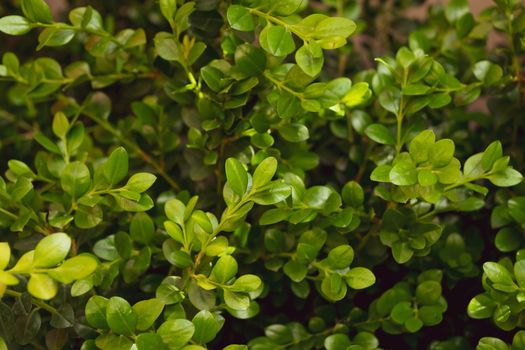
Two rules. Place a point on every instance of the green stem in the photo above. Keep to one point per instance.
(465, 181)
(8, 213)
(34, 301)
(137, 150)
(66, 81)
(399, 130)
(280, 22)
(62, 26)
(225, 217)
(517, 71)
(282, 86)
(308, 337)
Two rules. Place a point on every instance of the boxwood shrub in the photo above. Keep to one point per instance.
(262, 174)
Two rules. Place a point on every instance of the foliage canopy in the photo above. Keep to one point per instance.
(262, 174)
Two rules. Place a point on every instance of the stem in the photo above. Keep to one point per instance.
(278, 21)
(34, 301)
(374, 230)
(399, 130)
(137, 150)
(66, 81)
(8, 213)
(225, 217)
(66, 26)
(465, 181)
(517, 72)
(308, 337)
(282, 86)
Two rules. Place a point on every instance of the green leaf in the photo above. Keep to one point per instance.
(249, 61)
(333, 287)
(213, 78)
(264, 172)
(334, 27)
(281, 334)
(236, 301)
(240, 18)
(168, 48)
(357, 95)
(442, 153)
(381, 173)
(237, 176)
(490, 343)
(96, 312)
(481, 306)
(140, 182)
(88, 217)
(142, 228)
(428, 292)
(206, 327)
(340, 257)
(416, 90)
(20, 168)
(86, 17)
(276, 40)
(225, 269)
(21, 188)
(497, 273)
(360, 278)
(54, 37)
(487, 72)
(42, 286)
(402, 252)
(405, 57)
(430, 315)
(120, 316)
(147, 311)
(51, 250)
(294, 132)
(426, 178)
(508, 239)
(278, 192)
(506, 178)
(353, 194)
(413, 324)
(174, 210)
(456, 9)
(116, 167)
(14, 25)
(491, 154)
(47, 143)
(295, 270)
(519, 272)
(3, 345)
(246, 283)
(310, 58)
(73, 269)
(60, 125)
(422, 145)
(5, 255)
(168, 9)
(75, 179)
(150, 341)
(380, 134)
(37, 11)
(337, 341)
(110, 341)
(403, 173)
(176, 333)
(401, 312)
(168, 291)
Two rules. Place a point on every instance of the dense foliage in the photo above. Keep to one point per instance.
(244, 175)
